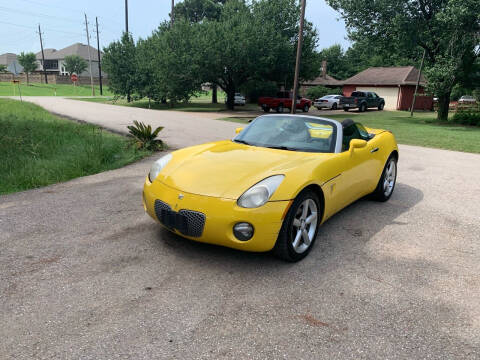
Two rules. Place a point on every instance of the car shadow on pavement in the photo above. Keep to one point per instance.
(374, 281)
(353, 226)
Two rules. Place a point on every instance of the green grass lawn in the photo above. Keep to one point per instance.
(38, 148)
(421, 130)
(35, 89)
(201, 103)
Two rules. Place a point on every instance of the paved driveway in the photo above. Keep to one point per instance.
(85, 274)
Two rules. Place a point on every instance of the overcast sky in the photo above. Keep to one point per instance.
(62, 22)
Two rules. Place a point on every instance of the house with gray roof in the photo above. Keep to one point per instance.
(7, 58)
(395, 84)
(54, 59)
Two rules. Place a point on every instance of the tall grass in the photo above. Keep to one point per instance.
(38, 148)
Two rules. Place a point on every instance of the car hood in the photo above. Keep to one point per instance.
(226, 169)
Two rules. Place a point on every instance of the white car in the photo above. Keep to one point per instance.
(328, 101)
(239, 99)
(467, 99)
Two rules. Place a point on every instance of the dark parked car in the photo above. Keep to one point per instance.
(362, 100)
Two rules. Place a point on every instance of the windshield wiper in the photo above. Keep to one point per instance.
(281, 147)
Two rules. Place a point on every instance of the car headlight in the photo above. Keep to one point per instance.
(260, 193)
(158, 166)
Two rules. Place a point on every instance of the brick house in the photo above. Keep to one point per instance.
(395, 84)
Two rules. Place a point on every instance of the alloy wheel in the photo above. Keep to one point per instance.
(390, 177)
(304, 226)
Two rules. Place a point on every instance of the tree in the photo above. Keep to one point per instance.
(146, 84)
(278, 23)
(74, 64)
(196, 11)
(168, 65)
(3, 68)
(29, 63)
(448, 31)
(120, 62)
(255, 42)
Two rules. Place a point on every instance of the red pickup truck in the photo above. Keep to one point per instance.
(283, 100)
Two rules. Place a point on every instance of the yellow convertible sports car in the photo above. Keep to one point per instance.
(273, 185)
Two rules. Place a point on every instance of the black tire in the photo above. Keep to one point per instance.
(346, 109)
(284, 246)
(319, 108)
(266, 109)
(334, 106)
(380, 193)
(280, 108)
(306, 108)
(381, 106)
(362, 107)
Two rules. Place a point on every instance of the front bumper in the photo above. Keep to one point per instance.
(322, 105)
(220, 217)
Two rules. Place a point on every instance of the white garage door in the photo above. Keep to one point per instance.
(390, 94)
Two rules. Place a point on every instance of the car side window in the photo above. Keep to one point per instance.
(354, 131)
(363, 132)
(370, 95)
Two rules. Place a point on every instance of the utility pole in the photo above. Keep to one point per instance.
(418, 83)
(99, 60)
(171, 15)
(43, 55)
(299, 57)
(126, 16)
(89, 56)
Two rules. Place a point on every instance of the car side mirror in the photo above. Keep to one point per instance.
(357, 144)
(238, 130)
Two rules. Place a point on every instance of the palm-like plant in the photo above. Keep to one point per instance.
(145, 138)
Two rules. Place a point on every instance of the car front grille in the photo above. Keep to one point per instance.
(195, 221)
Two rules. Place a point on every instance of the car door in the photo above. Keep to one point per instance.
(359, 164)
(376, 99)
(370, 100)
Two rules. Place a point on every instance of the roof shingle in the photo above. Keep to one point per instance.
(400, 75)
(324, 81)
(75, 49)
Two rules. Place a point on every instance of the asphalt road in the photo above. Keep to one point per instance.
(85, 274)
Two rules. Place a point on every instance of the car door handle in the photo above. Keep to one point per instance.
(374, 150)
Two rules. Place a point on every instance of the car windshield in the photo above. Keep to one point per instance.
(294, 133)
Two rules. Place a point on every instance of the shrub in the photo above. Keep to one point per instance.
(476, 94)
(467, 117)
(319, 91)
(145, 138)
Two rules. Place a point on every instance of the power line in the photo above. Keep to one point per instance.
(5, 9)
(126, 16)
(89, 56)
(99, 60)
(43, 55)
(51, 6)
(33, 28)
